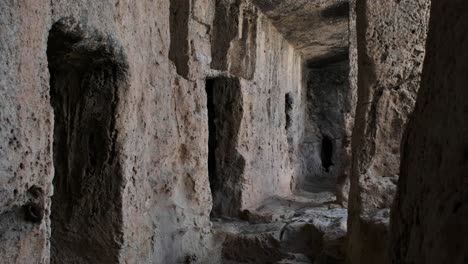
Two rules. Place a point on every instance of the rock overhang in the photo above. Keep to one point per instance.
(316, 28)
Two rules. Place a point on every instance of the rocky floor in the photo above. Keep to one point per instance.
(305, 228)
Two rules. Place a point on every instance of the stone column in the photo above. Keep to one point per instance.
(429, 216)
(391, 43)
(342, 182)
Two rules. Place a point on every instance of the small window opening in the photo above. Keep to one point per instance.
(327, 153)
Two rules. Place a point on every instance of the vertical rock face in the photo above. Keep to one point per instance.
(269, 148)
(390, 41)
(234, 37)
(269, 70)
(428, 222)
(342, 182)
(118, 107)
(26, 120)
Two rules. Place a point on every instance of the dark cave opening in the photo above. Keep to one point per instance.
(326, 153)
(212, 142)
(288, 106)
(336, 11)
(84, 77)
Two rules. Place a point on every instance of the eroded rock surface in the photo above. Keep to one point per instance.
(428, 223)
(128, 149)
(125, 125)
(391, 44)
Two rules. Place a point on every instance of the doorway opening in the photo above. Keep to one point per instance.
(326, 153)
(225, 164)
(86, 72)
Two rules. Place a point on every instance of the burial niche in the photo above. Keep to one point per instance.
(225, 164)
(86, 71)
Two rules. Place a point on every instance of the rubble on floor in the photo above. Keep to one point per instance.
(305, 228)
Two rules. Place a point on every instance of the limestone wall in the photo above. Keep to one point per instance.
(267, 142)
(390, 45)
(159, 197)
(428, 223)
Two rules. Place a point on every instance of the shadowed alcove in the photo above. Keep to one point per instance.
(86, 72)
(225, 164)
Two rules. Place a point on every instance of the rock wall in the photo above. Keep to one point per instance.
(148, 154)
(325, 137)
(390, 44)
(268, 144)
(235, 38)
(428, 223)
(26, 120)
(246, 45)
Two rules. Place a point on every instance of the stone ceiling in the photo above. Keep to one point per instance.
(317, 28)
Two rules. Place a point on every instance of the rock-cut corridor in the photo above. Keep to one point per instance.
(233, 132)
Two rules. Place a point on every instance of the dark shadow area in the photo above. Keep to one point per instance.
(225, 164)
(86, 71)
(338, 10)
(179, 50)
(267, 5)
(212, 142)
(328, 59)
(288, 106)
(326, 153)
